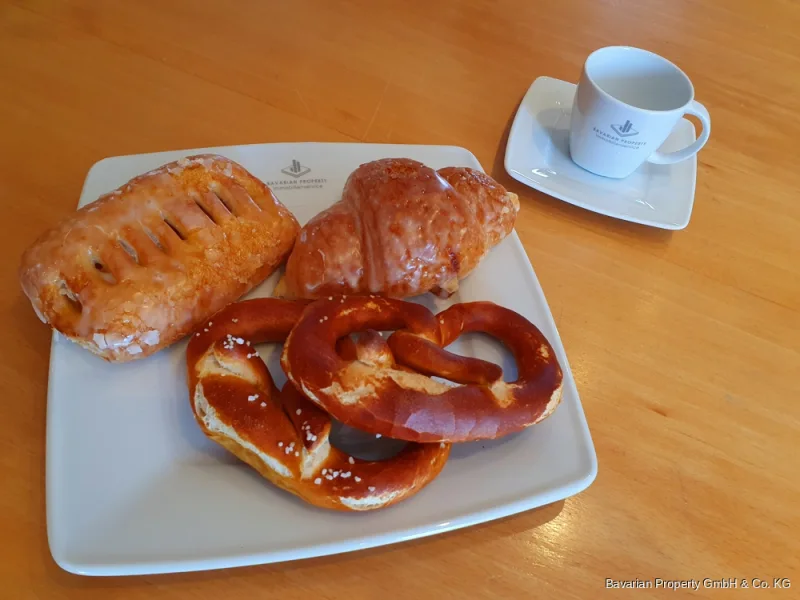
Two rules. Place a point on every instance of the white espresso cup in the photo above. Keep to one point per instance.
(627, 103)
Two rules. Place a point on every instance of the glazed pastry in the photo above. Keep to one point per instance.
(400, 229)
(145, 264)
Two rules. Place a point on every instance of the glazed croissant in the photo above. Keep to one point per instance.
(400, 229)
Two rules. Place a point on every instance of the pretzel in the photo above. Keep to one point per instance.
(411, 406)
(283, 435)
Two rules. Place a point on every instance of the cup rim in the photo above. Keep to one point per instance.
(641, 51)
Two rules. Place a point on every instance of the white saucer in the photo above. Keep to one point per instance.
(537, 155)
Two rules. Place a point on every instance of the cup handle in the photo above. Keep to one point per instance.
(668, 158)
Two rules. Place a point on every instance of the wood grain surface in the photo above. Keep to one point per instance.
(685, 346)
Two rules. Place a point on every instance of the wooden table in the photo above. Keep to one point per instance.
(685, 346)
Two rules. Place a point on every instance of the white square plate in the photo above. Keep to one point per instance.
(537, 154)
(134, 487)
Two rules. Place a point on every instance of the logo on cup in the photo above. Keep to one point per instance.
(625, 130)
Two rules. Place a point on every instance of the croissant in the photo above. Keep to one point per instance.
(401, 229)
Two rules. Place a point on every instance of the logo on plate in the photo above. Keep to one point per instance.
(296, 169)
(625, 130)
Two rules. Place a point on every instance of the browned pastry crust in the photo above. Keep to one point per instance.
(140, 267)
(400, 229)
(407, 404)
(283, 435)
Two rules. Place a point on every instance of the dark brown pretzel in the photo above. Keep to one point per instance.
(283, 435)
(412, 406)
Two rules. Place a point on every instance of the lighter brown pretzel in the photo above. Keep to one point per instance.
(412, 406)
(283, 435)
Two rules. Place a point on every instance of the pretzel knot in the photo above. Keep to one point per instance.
(412, 406)
(281, 434)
